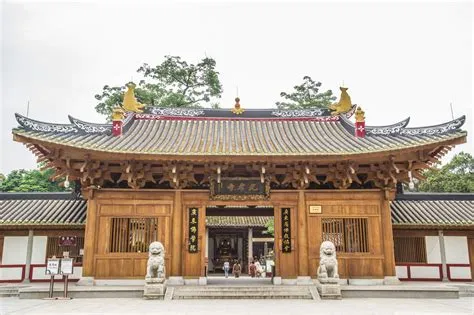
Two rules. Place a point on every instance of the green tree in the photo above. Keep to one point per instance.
(455, 176)
(173, 83)
(29, 180)
(306, 96)
(270, 225)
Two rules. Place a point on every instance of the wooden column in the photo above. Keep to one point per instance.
(89, 239)
(177, 236)
(387, 233)
(470, 246)
(302, 233)
(442, 250)
(29, 254)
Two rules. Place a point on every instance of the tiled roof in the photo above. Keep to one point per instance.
(433, 210)
(43, 209)
(237, 221)
(275, 133)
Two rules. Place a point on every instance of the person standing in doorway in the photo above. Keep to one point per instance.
(226, 268)
(237, 269)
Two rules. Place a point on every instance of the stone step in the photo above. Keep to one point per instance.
(8, 292)
(242, 292)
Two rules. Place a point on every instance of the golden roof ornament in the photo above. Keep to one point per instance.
(130, 103)
(118, 114)
(237, 110)
(359, 115)
(344, 105)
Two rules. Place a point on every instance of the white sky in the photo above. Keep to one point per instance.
(398, 59)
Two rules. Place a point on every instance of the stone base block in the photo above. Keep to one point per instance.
(329, 291)
(86, 281)
(154, 291)
(202, 281)
(276, 280)
(391, 280)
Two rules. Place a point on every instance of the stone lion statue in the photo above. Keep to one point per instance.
(155, 268)
(327, 269)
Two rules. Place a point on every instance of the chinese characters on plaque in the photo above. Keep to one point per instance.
(193, 230)
(236, 188)
(67, 241)
(286, 230)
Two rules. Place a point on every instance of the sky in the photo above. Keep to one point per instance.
(398, 59)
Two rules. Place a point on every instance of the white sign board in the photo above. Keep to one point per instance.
(52, 266)
(67, 266)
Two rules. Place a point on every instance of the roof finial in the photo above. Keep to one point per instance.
(130, 103)
(237, 110)
(344, 105)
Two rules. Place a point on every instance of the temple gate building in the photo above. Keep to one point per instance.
(162, 174)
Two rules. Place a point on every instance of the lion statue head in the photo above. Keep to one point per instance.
(156, 249)
(327, 250)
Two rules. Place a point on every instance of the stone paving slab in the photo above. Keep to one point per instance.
(14, 306)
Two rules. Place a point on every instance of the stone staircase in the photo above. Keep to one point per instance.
(9, 290)
(244, 292)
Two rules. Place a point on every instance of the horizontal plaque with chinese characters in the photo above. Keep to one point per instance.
(240, 188)
(285, 230)
(193, 230)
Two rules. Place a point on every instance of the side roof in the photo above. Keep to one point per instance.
(419, 210)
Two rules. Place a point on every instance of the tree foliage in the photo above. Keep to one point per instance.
(173, 83)
(270, 227)
(306, 96)
(455, 176)
(29, 180)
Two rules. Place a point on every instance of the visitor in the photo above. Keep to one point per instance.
(226, 268)
(252, 269)
(237, 269)
(258, 269)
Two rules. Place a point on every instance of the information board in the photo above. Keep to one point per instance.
(67, 266)
(52, 266)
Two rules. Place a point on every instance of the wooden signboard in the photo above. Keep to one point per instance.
(193, 230)
(67, 241)
(285, 230)
(240, 188)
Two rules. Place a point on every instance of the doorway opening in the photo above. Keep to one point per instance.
(240, 235)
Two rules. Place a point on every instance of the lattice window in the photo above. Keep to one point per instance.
(132, 235)
(410, 249)
(349, 235)
(53, 248)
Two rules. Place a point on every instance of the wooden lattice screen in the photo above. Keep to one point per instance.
(132, 234)
(53, 248)
(348, 234)
(410, 249)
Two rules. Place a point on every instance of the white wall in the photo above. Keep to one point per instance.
(14, 250)
(457, 251)
(433, 254)
(39, 249)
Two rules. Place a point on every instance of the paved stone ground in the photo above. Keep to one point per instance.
(231, 307)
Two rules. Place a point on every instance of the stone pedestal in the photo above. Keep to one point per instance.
(329, 290)
(86, 281)
(155, 289)
(391, 280)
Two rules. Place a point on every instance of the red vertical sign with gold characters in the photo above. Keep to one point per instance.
(286, 230)
(193, 230)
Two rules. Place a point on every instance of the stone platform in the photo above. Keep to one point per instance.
(246, 288)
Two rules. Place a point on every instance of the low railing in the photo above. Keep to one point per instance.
(419, 272)
(12, 273)
(459, 272)
(17, 273)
